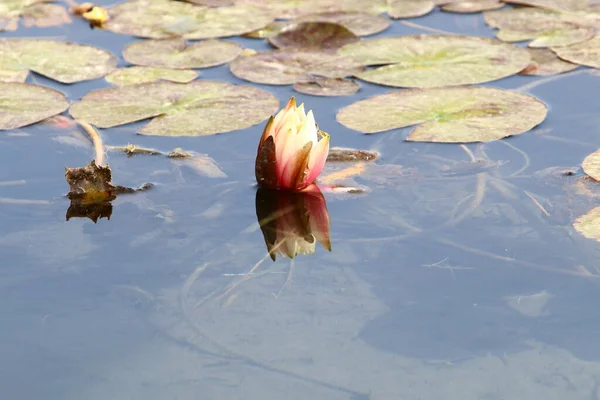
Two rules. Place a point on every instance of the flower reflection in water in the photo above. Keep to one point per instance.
(293, 222)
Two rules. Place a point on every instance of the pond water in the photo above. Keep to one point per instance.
(443, 281)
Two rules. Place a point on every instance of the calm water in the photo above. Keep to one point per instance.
(437, 287)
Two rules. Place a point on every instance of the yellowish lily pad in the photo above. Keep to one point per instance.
(62, 61)
(545, 34)
(135, 75)
(176, 53)
(34, 12)
(23, 104)
(447, 115)
(410, 8)
(436, 60)
(194, 109)
(559, 5)
(544, 62)
(288, 9)
(585, 53)
(591, 165)
(589, 224)
(472, 6)
(327, 87)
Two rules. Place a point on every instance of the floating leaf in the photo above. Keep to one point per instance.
(586, 53)
(132, 150)
(545, 62)
(528, 16)
(472, 6)
(436, 60)
(62, 61)
(202, 164)
(591, 165)
(451, 114)
(292, 9)
(282, 67)
(267, 31)
(343, 154)
(175, 53)
(361, 24)
(159, 19)
(194, 109)
(23, 104)
(589, 224)
(327, 87)
(546, 34)
(559, 5)
(34, 13)
(410, 8)
(135, 75)
(322, 35)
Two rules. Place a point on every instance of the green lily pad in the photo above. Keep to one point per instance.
(135, 75)
(546, 34)
(289, 9)
(321, 35)
(176, 53)
(361, 24)
(159, 19)
(194, 109)
(34, 13)
(436, 60)
(447, 115)
(589, 224)
(327, 87)
(410, 8)
(591, 165)
(472, 6)
(284, 67)
(585, 53)
(23, 104)
(62, 61)
(544, 62)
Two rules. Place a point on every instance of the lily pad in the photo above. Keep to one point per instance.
(361, 24)
(585, 53)
(447, 115)
(436, 60)
(34, 13)
(267, 31)
(23, 104)
(283, 67)
(591, 165)
(531, 16)
(473, 6)
(62, 61)
(410, 8)
(560, 5)
(289, 9)
(176, 53)
(545, 62)
(159, 19)
(320, 35)
(135, 75)
(545, 34)
(194, 109)
(589, 224)
(327, 87)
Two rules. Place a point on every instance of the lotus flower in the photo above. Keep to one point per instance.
(290, 154)
(292, 223)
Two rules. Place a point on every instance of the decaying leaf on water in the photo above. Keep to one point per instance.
(591, 165)
(131, 150)
(447, 115)
(65, 62)
(327, 86)
(472, 6)
(585, 53)
(435, 60)
(359, 23)
(34, 12)
(23, 104)
(317, 35)
(159, 19)
(194, 109)
(544, 62)
(93, 211)
(283, 67)
(409, 8)
(531, 305)
(343, 154)
(177, 54)
(136, 74)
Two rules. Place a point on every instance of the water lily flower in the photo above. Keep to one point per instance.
(293, 222)
(290, 153)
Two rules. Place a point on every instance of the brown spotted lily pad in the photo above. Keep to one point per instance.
(361, 24)
(586, 53)
(447, 115)
(62, 61)
(34, 12)
(194, 109)
(283, 67)
(410, 8)
(472, 6)
(436, 60)
(327, 87)
(176, 53)
(591, 165)
(319, 35)
(159, 19)
(135, 75)
(23, 104)
(545, 62)
(589, 224)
